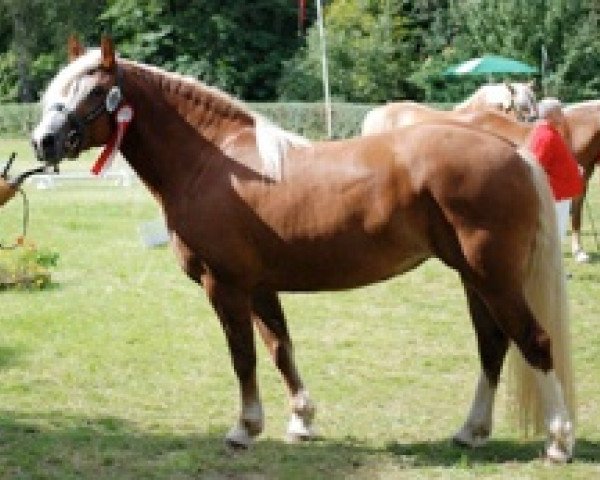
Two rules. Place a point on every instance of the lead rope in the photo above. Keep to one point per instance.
(15, 186)
(25, 224)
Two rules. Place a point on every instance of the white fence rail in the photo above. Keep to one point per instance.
(119, 178)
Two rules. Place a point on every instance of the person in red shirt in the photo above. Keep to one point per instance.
(549, 142)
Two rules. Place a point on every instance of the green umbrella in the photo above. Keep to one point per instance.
(489, 64)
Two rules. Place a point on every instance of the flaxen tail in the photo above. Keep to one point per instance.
(545, 291)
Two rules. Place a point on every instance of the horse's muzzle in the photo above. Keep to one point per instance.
(47, 148)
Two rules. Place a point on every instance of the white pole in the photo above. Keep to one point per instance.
(543, 63)
(325, 69)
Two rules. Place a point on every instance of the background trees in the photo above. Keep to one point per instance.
(369, 55)
(378, 50)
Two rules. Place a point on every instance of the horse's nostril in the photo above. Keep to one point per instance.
(47, 143)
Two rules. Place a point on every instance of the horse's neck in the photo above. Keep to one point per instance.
(584, 129)
(174, 129)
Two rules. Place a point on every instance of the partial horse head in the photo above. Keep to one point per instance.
(523, 100)
(78, 105)
(516, 98)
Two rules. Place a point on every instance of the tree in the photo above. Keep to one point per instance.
(236, 46)
(33, 42)
(368, 55)
(568, 30)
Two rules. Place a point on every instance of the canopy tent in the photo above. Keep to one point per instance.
(490, 64)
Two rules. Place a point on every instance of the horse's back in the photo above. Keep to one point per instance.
(397, 115)
(401, 114)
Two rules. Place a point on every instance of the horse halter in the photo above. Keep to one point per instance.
(77, 124)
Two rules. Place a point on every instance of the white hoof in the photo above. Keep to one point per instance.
(581, 256)
(559, 448)
(300, 429)
(238, 438)
(242, 435)
(472, 436)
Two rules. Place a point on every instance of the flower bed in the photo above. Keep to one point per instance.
(26, 267)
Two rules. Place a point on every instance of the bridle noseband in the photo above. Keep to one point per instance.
(77, 123)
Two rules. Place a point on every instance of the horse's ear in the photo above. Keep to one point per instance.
(74, 47)
(108, 53)
(510, 87)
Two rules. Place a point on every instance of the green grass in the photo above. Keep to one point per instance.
(120, 369)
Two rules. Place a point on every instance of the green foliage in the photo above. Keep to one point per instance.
(378, 50)
(236, 46)
(8, 77)
(27, 266)
(517, 28)
(17, 119)
(367, 55)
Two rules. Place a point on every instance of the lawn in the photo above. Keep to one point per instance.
(120, 371)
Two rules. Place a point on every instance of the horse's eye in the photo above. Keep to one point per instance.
(97, 91)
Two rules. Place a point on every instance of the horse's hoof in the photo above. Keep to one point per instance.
(581, 256)
(468, 439)
(557, 455)
(235, 447)
(238, 439)
(561, 441)
(300, 430)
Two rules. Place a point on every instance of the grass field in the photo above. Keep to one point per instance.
(120, 369)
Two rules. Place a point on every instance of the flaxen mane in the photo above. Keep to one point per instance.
(204, 108)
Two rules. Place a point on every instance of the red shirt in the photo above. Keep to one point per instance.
(556, 159)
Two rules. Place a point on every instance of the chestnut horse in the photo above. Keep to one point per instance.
(253, 210)
(517, 99)
(584, 125)
(581, 130)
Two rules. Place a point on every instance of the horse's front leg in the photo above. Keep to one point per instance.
(233, 308)
(270, 321)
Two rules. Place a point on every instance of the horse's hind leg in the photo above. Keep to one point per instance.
(492, 344)
(270, 321)
(579, 253)
(516, 319)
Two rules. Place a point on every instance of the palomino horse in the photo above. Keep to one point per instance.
(584, 124)
(581, 130)
(516, 98)
(253, 210)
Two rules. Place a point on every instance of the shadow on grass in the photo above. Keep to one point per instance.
(444, 453)
(9, 356)
(69, 447)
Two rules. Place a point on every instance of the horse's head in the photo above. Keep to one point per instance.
(523, 100)
(79, 104)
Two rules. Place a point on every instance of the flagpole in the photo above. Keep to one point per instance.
(325, 69)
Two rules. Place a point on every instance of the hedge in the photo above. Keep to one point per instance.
(18, 119)
(307, 119)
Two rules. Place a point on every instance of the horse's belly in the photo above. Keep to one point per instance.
(342, 269)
